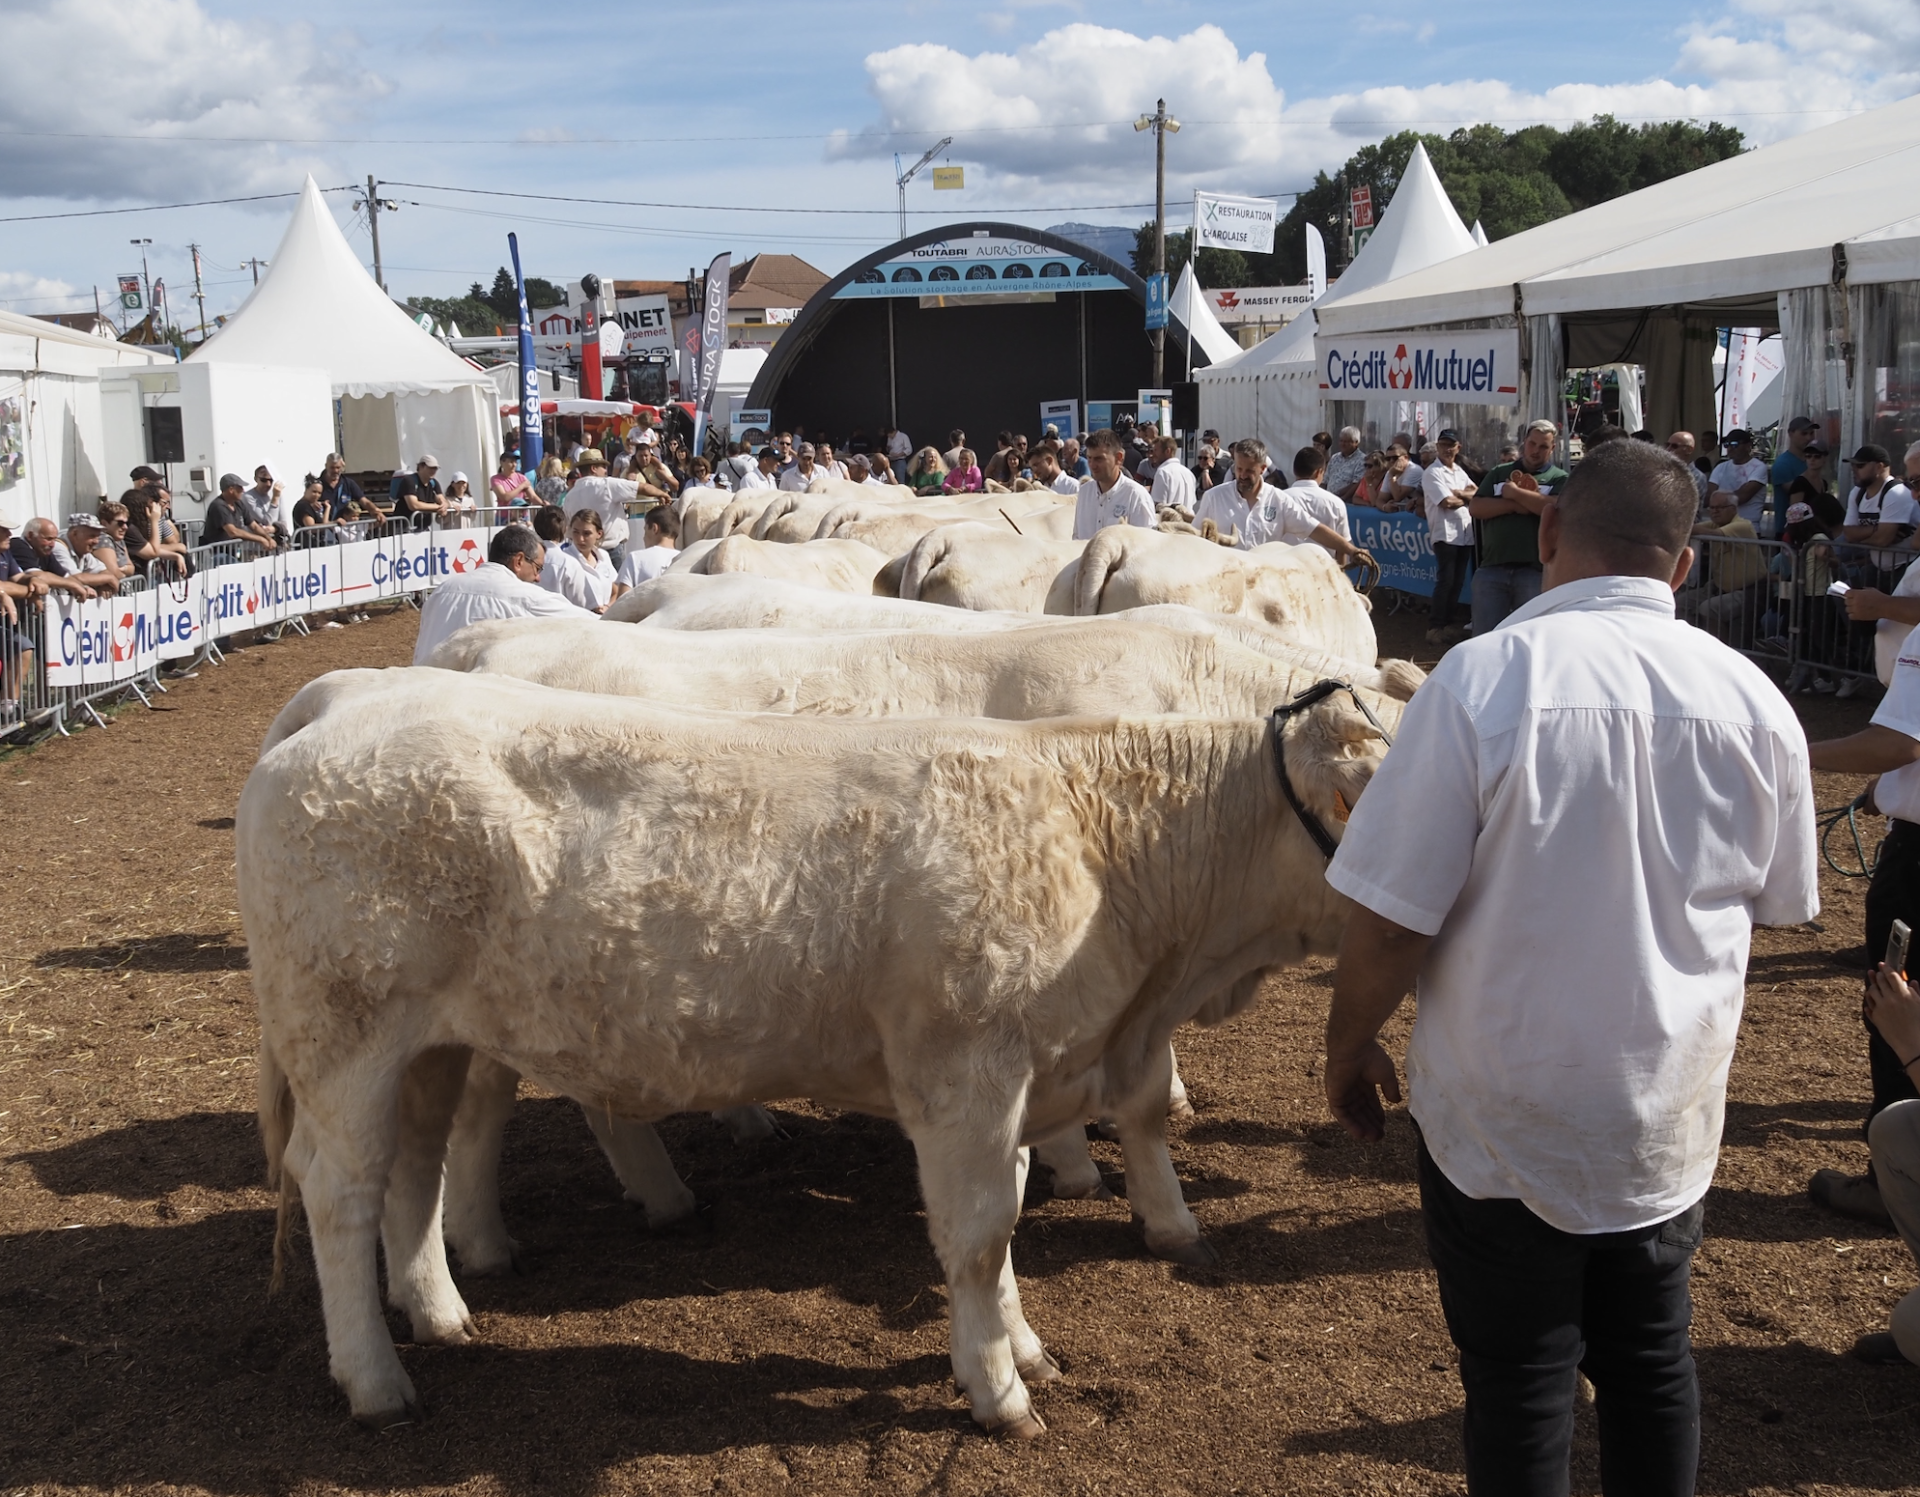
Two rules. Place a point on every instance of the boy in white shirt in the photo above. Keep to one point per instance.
(661, 533)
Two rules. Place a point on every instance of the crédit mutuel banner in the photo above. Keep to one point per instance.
(1481, 367)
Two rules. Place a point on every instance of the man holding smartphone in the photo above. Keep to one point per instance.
(1888, 747)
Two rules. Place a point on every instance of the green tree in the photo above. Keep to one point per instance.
(505, 300)
(472, 315)
(1217, 269)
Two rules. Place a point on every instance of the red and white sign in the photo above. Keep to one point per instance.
(1362, 200)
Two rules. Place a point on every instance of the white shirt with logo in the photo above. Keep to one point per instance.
(1223, 505)
(1126, 503)
(489, 591)
(1446, 527)
(1588, 808)
(1173, 484)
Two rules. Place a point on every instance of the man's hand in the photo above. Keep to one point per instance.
(1865, 603)
(1520, 478)
(1354, 1089)
(1894, 1009)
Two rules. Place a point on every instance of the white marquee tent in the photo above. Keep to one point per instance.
(402, 393)
(1272, 390)
(51, 445)
(1189, 308)
(1806, 235)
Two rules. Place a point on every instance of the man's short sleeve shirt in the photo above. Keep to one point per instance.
(1126, 503)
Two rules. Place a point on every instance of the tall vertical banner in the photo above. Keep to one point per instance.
(1316, 264)
(713, 342)
(532, 436)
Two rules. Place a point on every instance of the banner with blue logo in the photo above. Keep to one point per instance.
(532, 433)
(1400, 543)
(1156, 300)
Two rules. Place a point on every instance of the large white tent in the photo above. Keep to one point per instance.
(402, 393)
(1272, 390)
(1791, 236)
(52, 450)
(1189, 308)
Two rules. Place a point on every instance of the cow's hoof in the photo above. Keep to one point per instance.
(1107, 1129)
(1043, 1370)
(1099, 1192)
(458, 1335)
(748, 1124)
(381, 1420)
(1028, 1426)
(1179, 1107)
(1191, 1252)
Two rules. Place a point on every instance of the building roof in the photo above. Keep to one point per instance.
(773, 281)
(95, 323)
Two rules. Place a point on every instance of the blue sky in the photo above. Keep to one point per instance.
(801, 107)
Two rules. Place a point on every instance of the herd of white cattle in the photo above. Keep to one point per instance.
(926, 812)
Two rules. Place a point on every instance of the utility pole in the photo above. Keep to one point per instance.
(1162, 126)
(374, 205)
(901, 178)
(199, 292)
(254, 265)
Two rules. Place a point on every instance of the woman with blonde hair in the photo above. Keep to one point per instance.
(927, 471)
(552, 485)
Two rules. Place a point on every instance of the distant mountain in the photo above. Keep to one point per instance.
(1111, 240)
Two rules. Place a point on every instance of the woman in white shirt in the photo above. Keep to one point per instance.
(579, 570)
(461, 505)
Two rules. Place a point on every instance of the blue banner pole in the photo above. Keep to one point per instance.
(532, 433)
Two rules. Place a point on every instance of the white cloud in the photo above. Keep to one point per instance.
(23, 291)
(1060, 108)
(176, 73)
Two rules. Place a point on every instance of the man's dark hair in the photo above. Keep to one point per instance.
(512, 541)
(1105, 440)
(1309, 461)
(550, 524)
(956, 437)
(1603, 434)
(1631, 506)
(660, 517)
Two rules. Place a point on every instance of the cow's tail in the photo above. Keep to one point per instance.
(276, 1129)
(927, 553)
(886, 581)
(780, 507)
(833, 518)
(1106, 553)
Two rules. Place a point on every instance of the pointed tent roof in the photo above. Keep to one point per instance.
(1479, 234)
(1419, 228)
(316, 306)
(1191, 311)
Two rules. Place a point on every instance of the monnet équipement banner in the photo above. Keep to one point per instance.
(98, 641)
(1400, 543)
(1475, 367)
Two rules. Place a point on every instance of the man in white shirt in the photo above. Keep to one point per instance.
(1262, 514)
(506, 587)
(765, 474)
(1880, 510)
(1447, 491)
(1048, 473)
(802, 473)
(1311, 500)
(898, 450)
(606, 497)
(1172, 479)
(660, 532)
(827, 463)
(1743, 475)
(1584, 814)
(1109, 497)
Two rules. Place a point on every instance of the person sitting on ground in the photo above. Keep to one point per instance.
(506, 586)
(227, 520)
(660, 544)
(419, 494)
(1172, 480)
(580, 570)
(927, 472)
(966, 477)
(110, 546)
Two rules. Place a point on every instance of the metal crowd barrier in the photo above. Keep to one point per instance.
(1771, 603)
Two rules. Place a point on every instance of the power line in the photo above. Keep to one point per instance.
(966, 208)
(258, 197)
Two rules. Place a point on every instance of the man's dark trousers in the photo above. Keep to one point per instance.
(1529, 1305)
(1893, 895)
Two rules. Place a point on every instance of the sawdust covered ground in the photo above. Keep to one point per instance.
(795, 1339)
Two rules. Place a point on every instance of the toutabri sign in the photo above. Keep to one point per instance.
(1481, 367)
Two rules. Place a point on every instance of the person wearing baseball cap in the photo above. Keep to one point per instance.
(420, 494)
(227, 520)
(1742, 475)
(1791, 462)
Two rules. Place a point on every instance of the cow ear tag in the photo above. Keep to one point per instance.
(1340, 807)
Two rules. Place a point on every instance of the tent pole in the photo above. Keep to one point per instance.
(893, 379)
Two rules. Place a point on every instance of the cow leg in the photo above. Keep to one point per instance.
(970, 1176)
(1179, 1104)
(417, 1278)
(1029, 1356)
(640, 1160)
(341, 1170)
(1153, 1189)
(1075, 1176)
(474, 1223)
(748, 1125)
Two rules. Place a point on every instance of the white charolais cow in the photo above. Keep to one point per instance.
(986, 570)
(836, 566)
(986, 931)
(1299, 590)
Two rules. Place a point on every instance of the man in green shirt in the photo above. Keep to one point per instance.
(1507, 514)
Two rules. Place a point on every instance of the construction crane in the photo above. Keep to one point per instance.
(901, 178)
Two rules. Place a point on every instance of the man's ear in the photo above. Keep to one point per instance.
(1549, 532)
(1682, 566)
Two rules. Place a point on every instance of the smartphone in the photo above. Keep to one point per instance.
(1897, 948)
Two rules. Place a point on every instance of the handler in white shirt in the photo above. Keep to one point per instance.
(1584, 814)
(1264, 514)
(1109, 497)
(1172, 479)
(606, 497)
(661, 532)
(1447, 490)
(580, 570)
(765, 474)
(1048, 473)
(506, 587)
(1311, 498)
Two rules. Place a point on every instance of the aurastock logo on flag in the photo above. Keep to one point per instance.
(1221, 222)
(1480, 367)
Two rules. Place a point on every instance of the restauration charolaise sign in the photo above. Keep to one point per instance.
(1481, 367)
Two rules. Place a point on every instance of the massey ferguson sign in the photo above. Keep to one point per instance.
(1470, 368)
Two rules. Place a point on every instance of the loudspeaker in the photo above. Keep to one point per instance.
(1186, 406)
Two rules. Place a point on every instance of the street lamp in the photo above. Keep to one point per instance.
(1162, 125)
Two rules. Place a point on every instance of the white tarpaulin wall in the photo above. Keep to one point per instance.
(404, 393)
(52, 447)
(1272, 390)
(102, 640)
